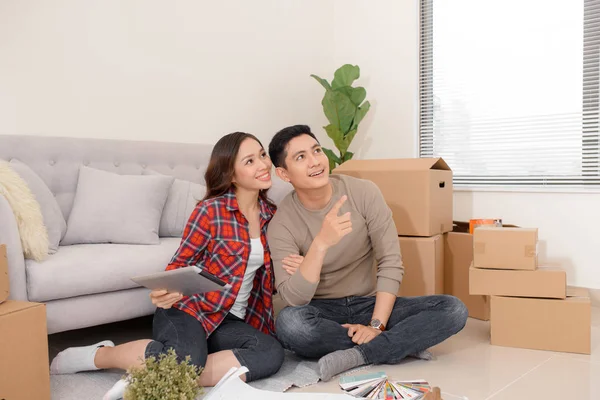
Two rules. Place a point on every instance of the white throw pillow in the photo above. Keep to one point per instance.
(27, 211)
(113, 208)
(182, 200)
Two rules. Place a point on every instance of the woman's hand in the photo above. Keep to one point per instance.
(292, 262)
(163, 299)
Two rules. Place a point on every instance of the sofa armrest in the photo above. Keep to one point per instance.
(9, 235)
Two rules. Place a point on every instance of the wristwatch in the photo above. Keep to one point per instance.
(375, 323)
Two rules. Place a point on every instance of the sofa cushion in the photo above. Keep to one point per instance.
(95, 268)
(182, 199)
(113, 208)
(53, 218)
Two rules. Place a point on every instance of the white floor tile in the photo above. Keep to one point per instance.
(557, 379)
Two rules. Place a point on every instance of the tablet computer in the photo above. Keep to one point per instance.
(187, 281)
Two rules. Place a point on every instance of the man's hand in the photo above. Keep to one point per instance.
(163, 299)
(291, 263)
(334, 227)
(360, 333)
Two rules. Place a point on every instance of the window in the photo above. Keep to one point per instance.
(509, 91)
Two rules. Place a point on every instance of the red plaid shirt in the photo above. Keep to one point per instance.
(216, 238)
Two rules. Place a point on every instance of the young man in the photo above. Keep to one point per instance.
(341, 310)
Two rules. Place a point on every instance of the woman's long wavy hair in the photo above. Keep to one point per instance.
(221, 167)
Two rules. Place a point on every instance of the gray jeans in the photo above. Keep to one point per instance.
(416, 323)
(260, 353)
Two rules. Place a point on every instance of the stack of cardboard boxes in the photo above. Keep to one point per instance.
(531, 306)
(528, 306)
(24, 369)
(419, 192)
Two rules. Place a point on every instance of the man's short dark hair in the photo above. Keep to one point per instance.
(277, 147)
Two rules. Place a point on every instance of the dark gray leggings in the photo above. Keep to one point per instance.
(262, 354)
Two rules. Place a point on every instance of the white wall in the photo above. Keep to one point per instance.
(187, 71)
(191, 71)
(382, 37)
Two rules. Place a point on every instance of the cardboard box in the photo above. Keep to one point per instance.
(458, 257)
(544, 282)
(543, 324)
(417, 190)
(4, 288)
(423, 260)
(505, 248)
(24, 370)
(476, 223)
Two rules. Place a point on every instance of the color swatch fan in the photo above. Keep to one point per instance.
(377, 386)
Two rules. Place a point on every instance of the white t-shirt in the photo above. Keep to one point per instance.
(255, 261)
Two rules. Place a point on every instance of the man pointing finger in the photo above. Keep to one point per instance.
(339, 310)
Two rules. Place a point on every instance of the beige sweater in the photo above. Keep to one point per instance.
(348, 266)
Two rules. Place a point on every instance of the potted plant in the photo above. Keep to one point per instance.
(163, 379)
(344, 108)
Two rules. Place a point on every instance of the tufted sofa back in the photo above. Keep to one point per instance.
(57, 160)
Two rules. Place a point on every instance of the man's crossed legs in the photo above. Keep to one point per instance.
(415, 324)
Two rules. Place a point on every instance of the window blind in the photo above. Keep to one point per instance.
(509, 91)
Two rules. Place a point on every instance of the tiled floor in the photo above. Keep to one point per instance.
(466, 366)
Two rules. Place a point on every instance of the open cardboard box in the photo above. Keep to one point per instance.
(417, 190)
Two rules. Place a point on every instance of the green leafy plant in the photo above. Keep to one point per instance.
(164, 379)
(344, 108)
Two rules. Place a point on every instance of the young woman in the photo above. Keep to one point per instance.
(226, 235)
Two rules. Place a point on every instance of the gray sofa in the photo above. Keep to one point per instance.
(88, 284)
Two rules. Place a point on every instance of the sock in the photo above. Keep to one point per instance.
(76, 359)
(340, 361)
(423, 355)
(117, 391)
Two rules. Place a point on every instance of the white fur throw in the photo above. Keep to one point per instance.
(33, 232)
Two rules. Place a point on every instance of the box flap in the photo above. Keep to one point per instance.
(421, 239)
(507, 228)
(573, 291)
(12, 306)
(463, 226)
(396, 164)
(460, 227)
(439, 164)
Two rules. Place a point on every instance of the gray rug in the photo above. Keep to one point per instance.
(93, 385)
(295, 371)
